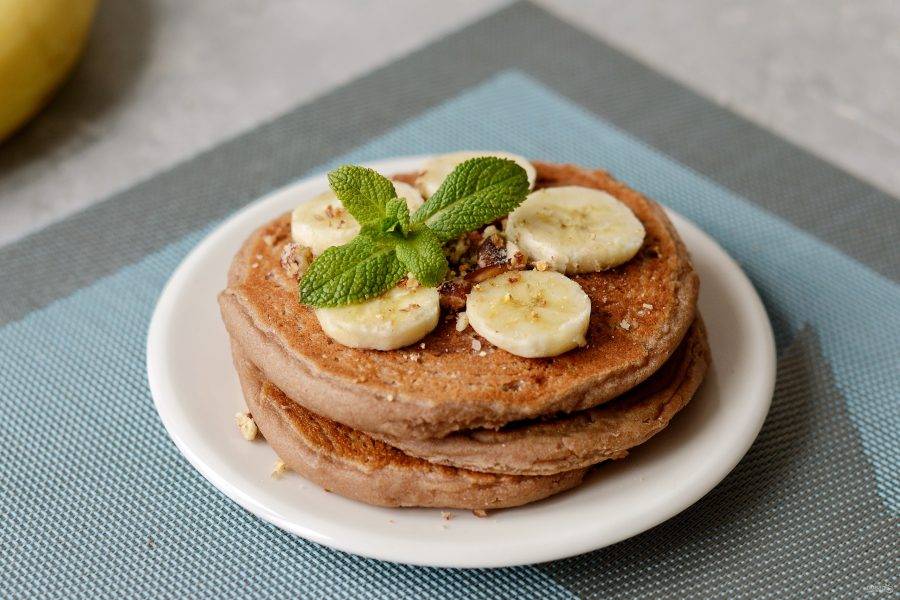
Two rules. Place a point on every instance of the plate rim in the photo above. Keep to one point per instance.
(157, 379)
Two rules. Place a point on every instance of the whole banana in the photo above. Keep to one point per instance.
(40, 42)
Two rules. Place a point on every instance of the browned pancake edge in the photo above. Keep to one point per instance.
(581, 439)
(352, 464)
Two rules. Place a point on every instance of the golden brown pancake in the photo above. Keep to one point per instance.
(580, 439)
(357, 466)
(444, 387)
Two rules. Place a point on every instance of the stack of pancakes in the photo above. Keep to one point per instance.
(439, 424)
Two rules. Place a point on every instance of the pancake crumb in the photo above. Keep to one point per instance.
(447, 515)
(246, 425)
(480, 513)
(279, 470)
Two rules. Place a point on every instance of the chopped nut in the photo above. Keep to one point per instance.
(269, 240)
(390, 397)
(647, 306)
(447, 515)
(542, 265)
(518, 260)
(279, 470)
(480, 513)
(482, 353)
(414, 357)
(625, 325)
(246, 425)
(476, 344)
(453, 293)
(507, 297)
(422, 345)
(492, 251)
(462, 321)
(295, 259)
(411, 283)
(254, 265)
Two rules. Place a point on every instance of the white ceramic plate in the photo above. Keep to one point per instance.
(196, 393)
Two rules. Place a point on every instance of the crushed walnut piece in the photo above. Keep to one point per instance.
(542, 265)
(295, 259)
(246, 425)
(279, 469)
(410, 282)
(453, 293)
(476, 344)
(462, 321)
(492, 251)
(480, 513)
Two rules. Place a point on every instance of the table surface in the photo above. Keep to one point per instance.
(163, 79)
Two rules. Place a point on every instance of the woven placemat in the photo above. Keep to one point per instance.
(96, 502)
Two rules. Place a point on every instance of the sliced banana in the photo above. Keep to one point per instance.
(575, 229)
(437, 169)
(530, 313)
(323, 222)
(400, 317)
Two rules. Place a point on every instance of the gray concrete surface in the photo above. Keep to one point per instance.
(164, 79)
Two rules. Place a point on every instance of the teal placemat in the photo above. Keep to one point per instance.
(96, 502)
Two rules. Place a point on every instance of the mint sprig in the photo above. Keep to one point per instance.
(363, 192)
(477, 192)
(365, 267)
(392, 243)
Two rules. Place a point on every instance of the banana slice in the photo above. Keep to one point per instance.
(323, 222)
(530, 313)
(400, 317)
(437, 169)
(575, 229)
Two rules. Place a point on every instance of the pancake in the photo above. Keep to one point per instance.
(357, 466)
(581, 439)
(429, 392)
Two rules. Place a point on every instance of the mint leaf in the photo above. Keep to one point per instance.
(364, 268)
(423, 255)
(397, 215)
(477, 192)
(363, 192)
